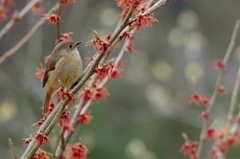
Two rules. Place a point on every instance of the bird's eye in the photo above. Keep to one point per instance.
(70, 46)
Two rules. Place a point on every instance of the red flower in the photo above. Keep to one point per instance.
(131, 45)
(39, 123)
(196, 98)
(116, 74)
(210, 133)
(37, 8)
(220, 65)
(61, 94)
(40, 154)
(68, 128)
(190, 149)
(122, 3)
(88, 60)
(65, 36)
(102, 72)
(205, 101)
(52, 18)
(108, 37)
(70, 97)
(67, 2)
(85, 118)
(221, 91)
(103, 47)
(100, 93)
(144, 21)
(86, 94)
(96, 42)
(204, 116)
(50, 108)
(16, 16)
(41, 138)
(64, 117)
(26, 141)
(3, 14)
(127, 36)
(7, 3)
(40, 73)
(77, 151)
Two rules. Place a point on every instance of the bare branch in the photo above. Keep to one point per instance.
(22, 13)
(13, 50)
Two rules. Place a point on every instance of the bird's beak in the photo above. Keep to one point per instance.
(78, 43)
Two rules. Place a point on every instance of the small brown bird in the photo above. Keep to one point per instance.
(63, 68)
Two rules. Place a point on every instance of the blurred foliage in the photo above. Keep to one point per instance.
(148, 108)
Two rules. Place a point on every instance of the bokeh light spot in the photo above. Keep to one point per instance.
(108, 17)
(188, 19)
(194, 70)
(162, 70)
(8, 110)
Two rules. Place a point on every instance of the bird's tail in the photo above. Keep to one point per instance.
(47, 99)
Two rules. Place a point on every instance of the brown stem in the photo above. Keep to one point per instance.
(58, 24)
(10, 143)
(233, 100)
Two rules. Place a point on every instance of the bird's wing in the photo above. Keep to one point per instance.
(51, 63)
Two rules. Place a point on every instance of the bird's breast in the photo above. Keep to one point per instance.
(68, 69)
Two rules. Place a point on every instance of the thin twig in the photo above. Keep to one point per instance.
(233, 100)
(58, 24)
(13, 50)
(22, 13)
(12, 148)
(218, 83)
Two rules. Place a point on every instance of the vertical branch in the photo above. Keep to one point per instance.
(58, 24)
(233, 100)
(12, 148)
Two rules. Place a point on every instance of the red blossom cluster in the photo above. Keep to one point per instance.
(40, 154)
(190, 149)
(40, 72)
(85, 118)
(65, 36)
(99, 43)
(223, 143)
(67, 2)
(5, 8)
(62, 93)
(77, 151)
(37, 8)
(220, 65)
(197, 98)
(51, 18)
(38, 123)
(41, 138)
(26, 141)
(95, 93)
(65, 117)
(16, 17)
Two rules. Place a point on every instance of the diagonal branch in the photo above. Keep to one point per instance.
(22, 13)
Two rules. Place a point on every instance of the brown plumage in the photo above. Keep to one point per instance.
(63, 68)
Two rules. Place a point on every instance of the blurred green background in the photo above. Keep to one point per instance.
(148, 108)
